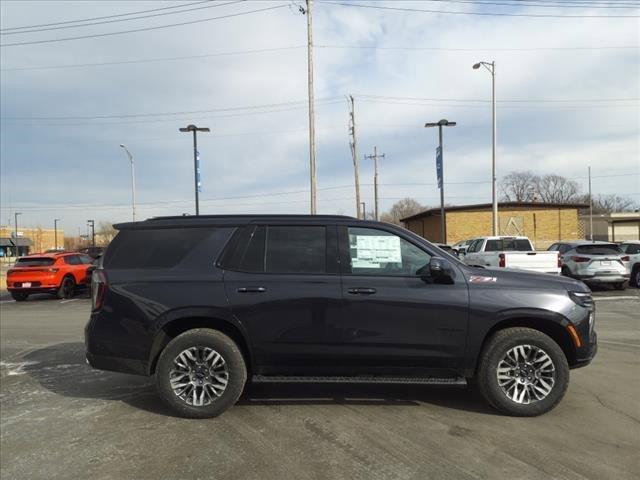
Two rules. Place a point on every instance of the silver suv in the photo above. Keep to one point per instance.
(594, 262)
(631, 249)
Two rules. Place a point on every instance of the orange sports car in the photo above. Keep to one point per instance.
(57, 273)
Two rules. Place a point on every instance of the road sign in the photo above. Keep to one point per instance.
(439, 166)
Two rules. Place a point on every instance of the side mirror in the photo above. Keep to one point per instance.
(440, 271)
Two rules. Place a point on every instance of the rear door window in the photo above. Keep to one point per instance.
(35, 262)
(299, 249)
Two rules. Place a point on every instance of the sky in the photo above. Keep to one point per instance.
(567, 90)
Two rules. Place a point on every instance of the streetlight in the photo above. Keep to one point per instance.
(491, 67)
(440, 171)
(196, 160)
(55, 231)
(133, 182)
(15, 225)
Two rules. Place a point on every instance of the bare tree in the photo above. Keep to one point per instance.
(611, 203)
(518, 187)
(401, 209)
(556, 189)
(105, 233)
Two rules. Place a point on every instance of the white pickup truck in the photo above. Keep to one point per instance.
(510, 252)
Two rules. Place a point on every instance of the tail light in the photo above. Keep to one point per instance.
(625, 258)
(99, 287)
(580, 259)
(559, 261)
(501, 261)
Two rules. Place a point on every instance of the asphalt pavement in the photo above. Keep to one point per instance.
(59, 419)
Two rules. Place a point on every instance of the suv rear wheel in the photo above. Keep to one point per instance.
(201, 373)
(19, 296)
(522, 372)
(66, 288)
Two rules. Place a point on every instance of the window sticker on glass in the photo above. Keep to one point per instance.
(370, 251)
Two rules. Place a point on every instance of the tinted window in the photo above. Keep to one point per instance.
(553, 247)
(72, 260)
(631, 248)
(596, 249)
(253, 258)
(296, 249)
(508, 245)
(166, 248)
(376, 252)
(35, 262)
(86, 259)
(564, 248)
(474, 246)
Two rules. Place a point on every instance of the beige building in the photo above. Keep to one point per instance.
(613, 227)
(29, 240)
(543, 223)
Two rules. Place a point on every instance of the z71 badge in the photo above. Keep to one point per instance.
(482, 279)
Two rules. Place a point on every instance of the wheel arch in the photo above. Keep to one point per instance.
(177, 326)
(555, 330)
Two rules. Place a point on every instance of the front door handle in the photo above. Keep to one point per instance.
(362, 291)
(251, 290)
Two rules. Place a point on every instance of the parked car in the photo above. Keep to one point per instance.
(93, 252)
(510, 252)
(631, 249)
(460, 248)
(446, 248)
(206, 303)
(594, 262)
(57, 273)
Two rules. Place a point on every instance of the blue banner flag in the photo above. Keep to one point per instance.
(439, 166)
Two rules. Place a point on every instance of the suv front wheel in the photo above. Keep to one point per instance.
(522, 372)
(201, 373)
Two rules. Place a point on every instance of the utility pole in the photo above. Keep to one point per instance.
(312, 128)
(590, 208)
(354, 154)
(375, 157)
(196, 159)
(364, 210)
(92, 224)
(440, 172)
(55, 232)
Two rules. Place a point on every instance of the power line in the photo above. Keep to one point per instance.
(486, 14)
(479, 49)
(146, 29)
(550, 4)
(104, 17)
(162, 59)
(534, 100)
(37, 30)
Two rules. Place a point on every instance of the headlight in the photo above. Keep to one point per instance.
(582, 298)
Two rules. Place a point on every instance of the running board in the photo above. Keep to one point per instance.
(459, 381)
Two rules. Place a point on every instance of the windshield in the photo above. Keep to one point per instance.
(508, 245)
(599, 249)
(35, 262)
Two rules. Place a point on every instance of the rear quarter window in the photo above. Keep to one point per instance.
(192, 248)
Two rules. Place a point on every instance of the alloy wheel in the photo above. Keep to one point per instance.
(199, 376)
(526, 374)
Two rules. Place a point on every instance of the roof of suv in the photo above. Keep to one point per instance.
(230, 220)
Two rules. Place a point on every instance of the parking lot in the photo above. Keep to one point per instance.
(60, 419)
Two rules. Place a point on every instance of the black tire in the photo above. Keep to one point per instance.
(620, 285)
(495, 350)
(234, 362)
(66, 288)
(565, 271)
(635, 276)
(19, 296)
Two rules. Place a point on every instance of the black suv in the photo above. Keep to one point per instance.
(204, 303)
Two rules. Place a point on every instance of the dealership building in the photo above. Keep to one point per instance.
(543, 223)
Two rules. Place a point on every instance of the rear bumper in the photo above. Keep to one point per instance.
(30, 290)
(594, 278)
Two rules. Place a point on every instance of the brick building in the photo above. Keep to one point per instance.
(29, 240)
(543, 223)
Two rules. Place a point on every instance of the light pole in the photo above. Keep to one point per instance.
(15, 226)
(196, 160)
(440, 171)
(491, 67)
(133, 182)
(55, 232)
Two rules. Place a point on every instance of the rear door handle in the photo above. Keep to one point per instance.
(362, 291)
(251, 290)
